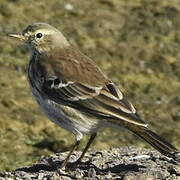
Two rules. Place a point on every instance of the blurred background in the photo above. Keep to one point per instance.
(136, 42)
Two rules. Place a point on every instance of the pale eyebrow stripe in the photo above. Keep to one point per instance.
(45, 31)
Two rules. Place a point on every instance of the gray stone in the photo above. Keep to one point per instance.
(120, 163)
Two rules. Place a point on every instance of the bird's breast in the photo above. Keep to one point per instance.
(64, 116)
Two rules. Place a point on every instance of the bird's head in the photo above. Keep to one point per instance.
(41, 37)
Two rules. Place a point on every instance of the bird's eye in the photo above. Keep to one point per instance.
(39, 35)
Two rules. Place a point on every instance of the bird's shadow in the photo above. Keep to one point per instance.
(54, 165)
(38, 167)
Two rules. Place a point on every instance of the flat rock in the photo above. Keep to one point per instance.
(116, 163)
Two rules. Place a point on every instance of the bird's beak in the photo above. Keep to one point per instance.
(17, 35)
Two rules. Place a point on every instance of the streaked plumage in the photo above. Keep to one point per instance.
(75, 94)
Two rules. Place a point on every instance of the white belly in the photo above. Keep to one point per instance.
(68, 118)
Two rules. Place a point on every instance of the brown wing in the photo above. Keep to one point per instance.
(74, 80)
(98, 101)
(71, 65)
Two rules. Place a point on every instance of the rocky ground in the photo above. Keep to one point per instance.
(117, 163)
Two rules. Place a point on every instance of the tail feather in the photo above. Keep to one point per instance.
(156, 141)
(159, 143)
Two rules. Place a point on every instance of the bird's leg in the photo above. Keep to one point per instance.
(87, 147)
(67, 158)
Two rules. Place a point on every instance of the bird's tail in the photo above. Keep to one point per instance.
(150, 137)
(157, 142)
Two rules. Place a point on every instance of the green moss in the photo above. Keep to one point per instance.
(136, 42)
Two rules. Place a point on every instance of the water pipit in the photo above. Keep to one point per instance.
(75, 94)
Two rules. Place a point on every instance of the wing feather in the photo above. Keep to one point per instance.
(105, 101)
(73, 79)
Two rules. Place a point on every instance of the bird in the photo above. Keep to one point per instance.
(74, 93)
